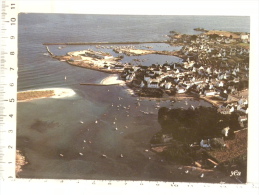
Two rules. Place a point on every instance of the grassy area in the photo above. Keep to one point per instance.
(28, 95)
(224, 33)
(235, 148)
(244, 45)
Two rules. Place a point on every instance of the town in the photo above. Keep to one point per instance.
(215, 68)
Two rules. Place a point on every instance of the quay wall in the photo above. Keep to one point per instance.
(103, 43)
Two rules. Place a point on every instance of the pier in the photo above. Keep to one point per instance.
(98, 84)
(103, 43)
(49, 51)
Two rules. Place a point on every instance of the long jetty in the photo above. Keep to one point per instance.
(96, 84)
(102, 43)
(49, 51)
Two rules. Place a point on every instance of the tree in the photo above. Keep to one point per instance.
(214, 36)
(193, 37)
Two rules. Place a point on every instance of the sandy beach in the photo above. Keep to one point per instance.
(54, 93)
(112, 79)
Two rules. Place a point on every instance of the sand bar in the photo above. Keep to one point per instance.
(112, 79)
(44, 93)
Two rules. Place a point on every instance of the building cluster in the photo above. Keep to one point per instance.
(209, 69)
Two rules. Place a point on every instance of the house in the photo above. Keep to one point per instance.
(243, 108)
(220, 84)
(188, 84)
(205, 143)
(147, 78)
(130, 77)
(236, 80)
(242, 118)
(151, 73)
(210, 92)
(243, 101)
(181, 90)
(157, 71)
(153, 84)
(167, 67)
(108, 67)
(225, 131)
(168, 85)
(217, 143)
(242, 121)
(231, 109)
(244, 38)
(142, 84)
(176, 71)
(223, 110)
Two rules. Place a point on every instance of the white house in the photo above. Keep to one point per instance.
(153, 84)
(180, 89)
(147, 78)
(209, 92)
(168, 85)
(242, 118)
(243, 101)
(142, 84)
(244, 37)
(205, 143)
(130, 77)
(243, 108)
(158, 71)
(225, 131)
(223, 110)
(220, 84)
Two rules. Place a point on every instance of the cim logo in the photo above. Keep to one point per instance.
(235, 173)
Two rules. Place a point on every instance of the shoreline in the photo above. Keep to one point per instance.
(112, 79)
(20, 162)
(45, 93)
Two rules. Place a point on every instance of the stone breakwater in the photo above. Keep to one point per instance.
(103, 43)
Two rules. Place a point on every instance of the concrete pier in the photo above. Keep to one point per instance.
(102, 43)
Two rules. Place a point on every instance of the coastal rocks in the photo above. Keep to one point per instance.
(20, 161)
